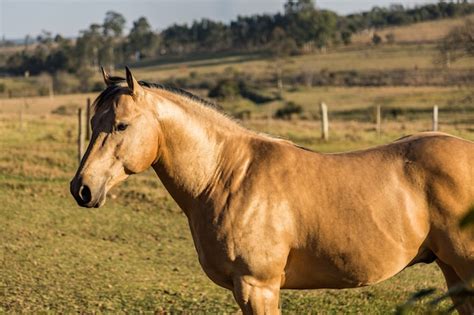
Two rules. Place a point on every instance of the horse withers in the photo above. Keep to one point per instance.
(266, 214)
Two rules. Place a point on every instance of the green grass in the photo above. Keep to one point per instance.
(136, 253)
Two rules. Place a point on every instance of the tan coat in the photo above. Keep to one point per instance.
(266, 214)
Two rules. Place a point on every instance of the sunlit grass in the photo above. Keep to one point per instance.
(136, 253)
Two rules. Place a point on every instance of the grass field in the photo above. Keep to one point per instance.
(136, 253)
(430, 31)
(386, 57)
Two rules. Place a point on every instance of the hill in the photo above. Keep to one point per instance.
(423, 32)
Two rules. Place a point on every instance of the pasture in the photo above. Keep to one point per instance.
(136, 254)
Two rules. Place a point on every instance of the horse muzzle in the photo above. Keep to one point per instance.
(85, 195)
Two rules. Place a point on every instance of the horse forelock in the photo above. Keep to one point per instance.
(106, 96)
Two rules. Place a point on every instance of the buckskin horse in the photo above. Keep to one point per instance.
(266, 214)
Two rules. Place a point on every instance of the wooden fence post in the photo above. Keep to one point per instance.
(435, 118)
(324, 122)
(80, 136)
(88, 119)
(378, 120)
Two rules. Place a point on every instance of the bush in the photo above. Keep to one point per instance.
(346, 37)
(225, 89)
(376, 39)
(286, 112)
(232, 88)
(254, 95)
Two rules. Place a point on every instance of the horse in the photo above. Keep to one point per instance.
(266, 214)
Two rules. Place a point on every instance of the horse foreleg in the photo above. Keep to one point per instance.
(464, 305)
(257, 297)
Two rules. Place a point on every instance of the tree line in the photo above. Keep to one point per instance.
(301, 26)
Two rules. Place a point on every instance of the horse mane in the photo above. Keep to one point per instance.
(117, 85)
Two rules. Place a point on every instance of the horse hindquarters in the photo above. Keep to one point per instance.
(450, 183)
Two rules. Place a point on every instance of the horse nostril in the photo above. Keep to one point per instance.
(85, 194)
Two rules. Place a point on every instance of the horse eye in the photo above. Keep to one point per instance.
(121, 126)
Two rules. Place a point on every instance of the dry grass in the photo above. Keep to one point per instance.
(43, 104)
(386, 58)
(345, 98)
(423, 32)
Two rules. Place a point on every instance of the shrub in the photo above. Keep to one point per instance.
(287, 111)
(225, 89)
(346, 37)
(254, 95)
(376, 39)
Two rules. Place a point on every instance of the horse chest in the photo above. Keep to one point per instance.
(250, 243)
(214, 254)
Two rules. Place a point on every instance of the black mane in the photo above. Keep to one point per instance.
(113, 89)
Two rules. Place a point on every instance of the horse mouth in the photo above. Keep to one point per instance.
(101, 200)
(97, 202)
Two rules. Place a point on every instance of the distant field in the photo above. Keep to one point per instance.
(385, 57)
(339, 100)
(44, 104)
(414, 33)
(417, 51)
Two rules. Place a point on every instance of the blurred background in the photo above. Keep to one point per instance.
(384, 69)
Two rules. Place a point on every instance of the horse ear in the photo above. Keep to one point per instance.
(132, 83)
(106, 77)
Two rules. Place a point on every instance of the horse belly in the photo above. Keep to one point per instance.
(305, 270)
(352, 253)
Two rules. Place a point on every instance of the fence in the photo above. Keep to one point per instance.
(378, 120)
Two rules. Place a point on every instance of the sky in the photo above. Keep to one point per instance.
(19, 18)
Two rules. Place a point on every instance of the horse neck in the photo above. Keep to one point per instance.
(194, 140)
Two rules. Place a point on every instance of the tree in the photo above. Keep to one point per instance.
(292, 6)
(209, 35)
(177, 38)
(45, 38)
(457, 44)
(141, 39)
(112, 28)
(308, 25)
(88, 45)
(281, 44)
(113, 24)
